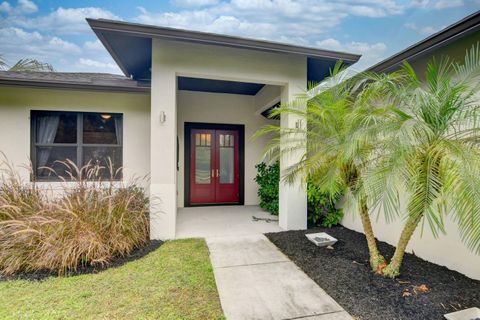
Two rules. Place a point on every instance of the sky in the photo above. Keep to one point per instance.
(56, 31)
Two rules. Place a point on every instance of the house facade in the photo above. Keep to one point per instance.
(184, 113)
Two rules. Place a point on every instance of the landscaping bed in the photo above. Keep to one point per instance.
(118, 261)
(344, 273)
(174, 281)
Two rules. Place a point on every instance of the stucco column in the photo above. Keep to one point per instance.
(163, 187)
(293, 197)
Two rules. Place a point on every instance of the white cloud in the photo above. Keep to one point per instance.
(425, 30)
(418, 3)
(18, 43)
(65, 20)
(95, 45)
(193, 3)
(371, 52)
(17, 35)
(272, 19)
(23, 7)
(64, 46)
(82, 62)
(443, 4)
(26, 6)
(5, 7)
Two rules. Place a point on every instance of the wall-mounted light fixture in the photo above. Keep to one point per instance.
(163, 117)
(299, 124)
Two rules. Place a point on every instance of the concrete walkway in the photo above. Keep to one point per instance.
(256, 281)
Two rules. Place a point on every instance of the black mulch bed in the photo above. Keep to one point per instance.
(117, 262)
(345, 274)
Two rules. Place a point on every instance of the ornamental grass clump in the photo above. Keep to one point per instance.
(85, 221)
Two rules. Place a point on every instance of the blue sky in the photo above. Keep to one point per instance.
(56, 31)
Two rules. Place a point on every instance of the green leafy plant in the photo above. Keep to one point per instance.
(322, 207)
(268, 179)
(327, 147)
(87, 222)
(427, 143)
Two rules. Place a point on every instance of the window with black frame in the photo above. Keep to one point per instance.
(82, 137)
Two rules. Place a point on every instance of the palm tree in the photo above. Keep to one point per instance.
(427, 143)
(26, 65)
(328, 156)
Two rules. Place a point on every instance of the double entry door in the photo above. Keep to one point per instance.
(214, 166)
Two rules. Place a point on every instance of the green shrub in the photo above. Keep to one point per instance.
(321, 207)
(84, 223)
(268, 178)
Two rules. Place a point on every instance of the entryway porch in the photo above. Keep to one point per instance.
(220, 221)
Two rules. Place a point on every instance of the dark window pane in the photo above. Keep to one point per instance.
(102, 128)
(102, 156)
(49, 161)
(55, 127)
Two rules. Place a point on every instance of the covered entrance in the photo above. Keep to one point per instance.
(214, 164)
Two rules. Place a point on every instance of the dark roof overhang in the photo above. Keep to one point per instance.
(73, 81)
(130, 45)
(460, 29)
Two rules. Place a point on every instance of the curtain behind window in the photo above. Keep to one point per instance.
(47, 127)
(119, 129)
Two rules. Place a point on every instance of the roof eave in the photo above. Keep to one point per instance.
(71, 86)
(139, 30)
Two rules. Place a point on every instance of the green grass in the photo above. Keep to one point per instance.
(174, 282)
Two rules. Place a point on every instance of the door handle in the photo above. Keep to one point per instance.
(213, 173)
(217, 173)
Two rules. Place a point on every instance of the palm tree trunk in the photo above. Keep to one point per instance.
(377, 261)
(393, 268)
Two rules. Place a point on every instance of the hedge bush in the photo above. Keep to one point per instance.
(321, 206)
(268, 178)
(85, 223)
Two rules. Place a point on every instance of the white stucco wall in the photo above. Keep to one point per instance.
(447, 250)
(16, 103)
(222, 108)
(171, 59)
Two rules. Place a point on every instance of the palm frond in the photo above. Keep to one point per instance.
(3, 64)
(30, 65)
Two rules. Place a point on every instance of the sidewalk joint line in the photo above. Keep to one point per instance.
(314, 315)
(251, 264)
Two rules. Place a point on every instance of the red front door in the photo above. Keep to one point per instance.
(214, 169)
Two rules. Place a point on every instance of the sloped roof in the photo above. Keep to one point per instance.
(72, 80)
(130, 45)
(462, 28)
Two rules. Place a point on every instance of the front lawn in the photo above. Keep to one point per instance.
(174, 282)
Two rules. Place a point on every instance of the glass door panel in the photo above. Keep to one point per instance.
(227, 158)
(203, 158)
(227, 189)
(202, 169)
